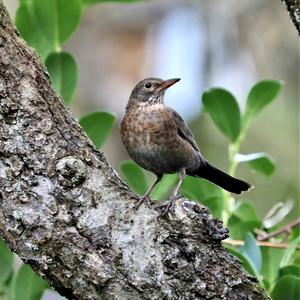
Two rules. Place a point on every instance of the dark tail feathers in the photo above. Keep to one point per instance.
(220, 178)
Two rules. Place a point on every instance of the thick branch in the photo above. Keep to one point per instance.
(293, 7)
(64, 211)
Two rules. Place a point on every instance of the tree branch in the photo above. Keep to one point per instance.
(65, 212)
(285, 229)
(293, 7)
(259, 243)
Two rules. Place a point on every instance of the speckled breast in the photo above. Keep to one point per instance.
(150, 137)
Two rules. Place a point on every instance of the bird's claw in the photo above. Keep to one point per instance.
(168, 204)
(141, 200)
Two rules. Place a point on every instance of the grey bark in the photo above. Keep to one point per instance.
(293, 7)
(65, 211)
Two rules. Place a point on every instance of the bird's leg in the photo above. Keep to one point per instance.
(147, 195)
(174, 195)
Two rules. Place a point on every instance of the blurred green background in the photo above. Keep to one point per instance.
(231, 44)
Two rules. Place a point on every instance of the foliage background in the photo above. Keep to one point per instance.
(207, 43)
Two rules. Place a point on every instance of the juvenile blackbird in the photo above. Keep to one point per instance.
(157, 139)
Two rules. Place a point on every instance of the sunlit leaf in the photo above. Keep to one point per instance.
(260, 162)
(6, 263)
(63, 72)
(261, 94)
(287, 287)
(28, 286)
(224, 110)
(134, 176)
(97, 126)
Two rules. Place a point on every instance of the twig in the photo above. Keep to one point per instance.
(285, 229)
(259, 243)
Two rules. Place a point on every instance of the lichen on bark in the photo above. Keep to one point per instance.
(65, 211)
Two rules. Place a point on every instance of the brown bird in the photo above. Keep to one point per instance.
(157, 139)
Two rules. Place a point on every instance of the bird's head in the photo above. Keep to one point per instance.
(150, 91)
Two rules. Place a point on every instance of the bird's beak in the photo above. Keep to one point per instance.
(166, 84)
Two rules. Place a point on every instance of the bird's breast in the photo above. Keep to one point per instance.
(147, 127)
(151, 138)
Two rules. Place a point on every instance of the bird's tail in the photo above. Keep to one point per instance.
(220, 178)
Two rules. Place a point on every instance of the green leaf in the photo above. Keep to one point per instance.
(90, 2)
(224, 110)
(204, 192)
(290, 270)
(57, 19)
(260, 162)
(28, 26)
(261, 94)
(252, 252)
(97, 126)
(6, 263)
(288, 253)
(215, 204)
(245, 211)
(200, 188)
(165, 185)
(28, 285)
(246, 263)
(270, 263)
(295, 232)
(243, 220)
(287, 287)
(238, 228)
(297, 261)
(134, 176)
(63, 72)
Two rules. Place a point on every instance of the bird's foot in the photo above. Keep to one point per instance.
(166, 206)
(143, 199)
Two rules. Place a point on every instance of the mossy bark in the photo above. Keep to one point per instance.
(65, 211)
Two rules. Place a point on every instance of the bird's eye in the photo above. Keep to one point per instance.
(148, 85)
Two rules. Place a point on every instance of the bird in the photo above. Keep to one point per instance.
(158, 139)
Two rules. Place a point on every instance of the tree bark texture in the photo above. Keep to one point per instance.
(293, 7)
(65, 211)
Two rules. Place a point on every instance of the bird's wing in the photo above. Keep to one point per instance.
(183, 131)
